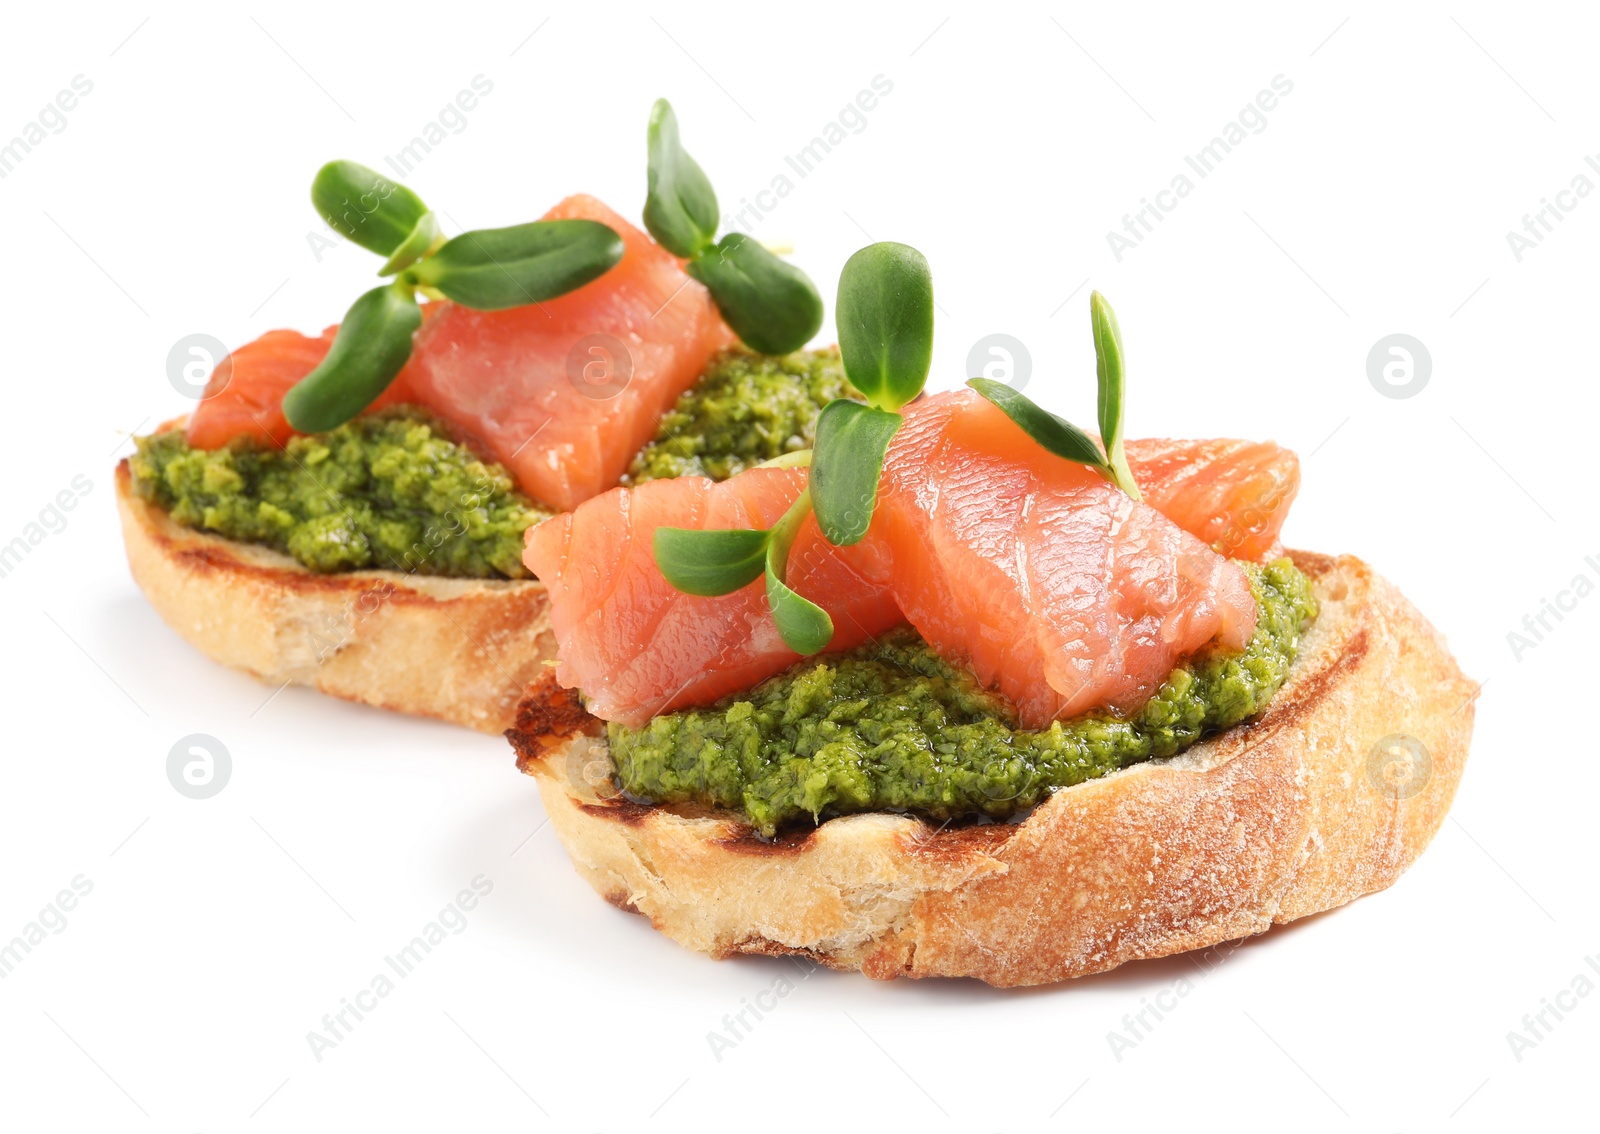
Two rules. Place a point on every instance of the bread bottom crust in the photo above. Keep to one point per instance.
(460, 650)
(1329, 795)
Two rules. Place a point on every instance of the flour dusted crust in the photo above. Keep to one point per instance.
(1282, 817)
(461, 650)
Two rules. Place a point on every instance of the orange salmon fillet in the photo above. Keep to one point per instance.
(514, 383)
(638, 647)
(1235, 495)
(1050, 584)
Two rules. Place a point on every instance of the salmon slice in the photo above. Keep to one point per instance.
(515, 380)
(513, 383)
(1235, 495)
(244, 394)
(1048, 582)
(635, 646)
(1037, 574)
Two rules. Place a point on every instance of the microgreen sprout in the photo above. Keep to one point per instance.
(885, 307)
(488, 269)
(770, 304)
(1060, 436)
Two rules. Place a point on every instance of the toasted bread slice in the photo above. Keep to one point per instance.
(461, 650)
(1328, 795)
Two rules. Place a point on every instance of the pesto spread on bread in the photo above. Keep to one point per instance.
(392, 489)
(389, 490)
(891, 726)
(746, 408)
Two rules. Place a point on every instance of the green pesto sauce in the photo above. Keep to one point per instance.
(389, 490)
(746, 408)
(890, 726)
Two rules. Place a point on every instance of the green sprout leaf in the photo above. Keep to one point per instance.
(771, 305)
(708, 563)
(1056, 434)
(846, 466)
(371, 347)
(1108, 371)
(365, 207)
(489, 270)
(1060, 436)
(720, 561)
(799, 459)
(494, 268)
(680, 207)
(804, 626)
(885, 318)
(422, 240)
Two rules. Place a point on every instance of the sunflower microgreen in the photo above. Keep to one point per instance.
(804, 626)
(847, 462)
(370, 347)
(365, 207)
(887, 291)
(770, 304)
(489, 269)
(1061, 437)
(885, 318)
(1108, 374)
(708, 563)
(722, 560)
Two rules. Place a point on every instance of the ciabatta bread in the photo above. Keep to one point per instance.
(461, 650)
(1330, 794)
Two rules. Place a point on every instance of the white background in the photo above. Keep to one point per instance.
(1376, 200)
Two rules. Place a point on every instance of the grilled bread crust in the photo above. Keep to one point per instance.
(461, 650)
(1328, 795)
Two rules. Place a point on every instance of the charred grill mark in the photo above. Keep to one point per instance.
(957, 842)
(623, 902)
(787, 844)
(619, 810)
(548, 715)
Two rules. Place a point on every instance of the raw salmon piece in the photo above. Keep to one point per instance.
(502, 377)
(244, 393)
(635, 646)
(1049, 583)
(1040, 576)
(1235, 495)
